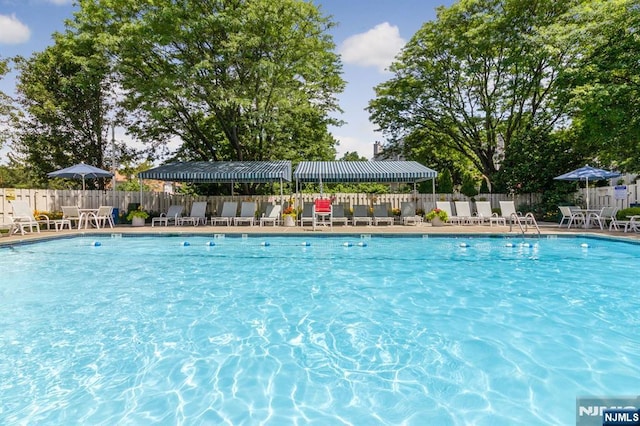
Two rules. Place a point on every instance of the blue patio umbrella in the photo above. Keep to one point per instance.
(587, 173)
(80, 171)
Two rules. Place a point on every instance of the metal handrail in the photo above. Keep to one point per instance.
(527, 218)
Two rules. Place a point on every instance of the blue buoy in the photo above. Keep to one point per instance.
(96, 243)
(306, 243)
(265, 244)
(211, 243)
(185, 243)
(362, 244)
(347, 244)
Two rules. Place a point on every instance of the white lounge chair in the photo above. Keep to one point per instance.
(381, 214)
(463, 212)
(272, 215)
(446, 206)
(172, 215)
(307, 214)
(247, 213)
(484, 214)
(23, 219)
(361, 214)
(408, 214)
(509, 213)
(229, 211)
(197, 216)
(338, 215)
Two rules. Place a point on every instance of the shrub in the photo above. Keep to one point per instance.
(631, 211)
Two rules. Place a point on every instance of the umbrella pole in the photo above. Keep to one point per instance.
(587, 192)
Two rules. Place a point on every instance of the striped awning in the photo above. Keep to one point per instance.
(363, 171)
(221, 171)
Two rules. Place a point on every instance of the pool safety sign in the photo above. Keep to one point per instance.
(620, 192)
(608, 410)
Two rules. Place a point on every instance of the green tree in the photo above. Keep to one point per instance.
(64, 92)
(234, 80)
(352, 156)
(444, 184)
(604, 86)
(475, 79)
(469, 186)
(5, 104)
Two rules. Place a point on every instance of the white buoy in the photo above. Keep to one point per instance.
(464, 245)
(347, 244)
(210, 243)
(306, 243)
(527, 245)
(509, 245)
(265, 243)
(584, 245)
(362, 244)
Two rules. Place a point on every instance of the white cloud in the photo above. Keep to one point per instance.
(12, 31)
(376, 47)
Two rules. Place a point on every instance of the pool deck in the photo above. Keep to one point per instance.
(422, 229)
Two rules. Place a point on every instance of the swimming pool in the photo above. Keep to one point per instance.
(326, 330)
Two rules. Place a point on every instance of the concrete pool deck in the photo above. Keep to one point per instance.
(422, 229)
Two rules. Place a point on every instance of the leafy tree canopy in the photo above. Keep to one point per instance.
(64, 94)
(233, 80)
(604, 85)
(480, 76)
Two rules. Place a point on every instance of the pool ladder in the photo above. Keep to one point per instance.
(523, 222)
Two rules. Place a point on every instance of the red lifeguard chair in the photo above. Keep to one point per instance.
(322, 212)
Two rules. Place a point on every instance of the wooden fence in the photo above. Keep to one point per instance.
(50, 200)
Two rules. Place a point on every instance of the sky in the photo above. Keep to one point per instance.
(368, 35)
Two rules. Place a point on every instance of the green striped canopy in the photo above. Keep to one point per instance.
(221, 171)
(363, 171)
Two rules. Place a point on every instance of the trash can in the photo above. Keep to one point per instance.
(116, 215)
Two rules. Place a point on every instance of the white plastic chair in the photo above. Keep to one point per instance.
(197, 216)
(229, 210)
(172, 215)
(381, 214)
(463, 212)
(247, 213)
(102, 217)
(23, 219)
(272, 215)
(361, 214)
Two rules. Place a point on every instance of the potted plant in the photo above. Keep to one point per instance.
(437, 217)
(137, 217)
(289, 216)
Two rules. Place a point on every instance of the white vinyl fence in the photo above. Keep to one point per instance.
(622, 196)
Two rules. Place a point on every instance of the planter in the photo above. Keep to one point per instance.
(289, 221)
(436, 221)
(137, 221)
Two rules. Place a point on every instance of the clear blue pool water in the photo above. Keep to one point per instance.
(401, 331)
